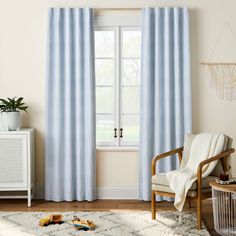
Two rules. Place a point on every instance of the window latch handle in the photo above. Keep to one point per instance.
(115, 132)
(121, 133)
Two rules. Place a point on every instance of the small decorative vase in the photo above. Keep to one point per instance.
(11, 120)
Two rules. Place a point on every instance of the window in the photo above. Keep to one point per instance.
(118, 57)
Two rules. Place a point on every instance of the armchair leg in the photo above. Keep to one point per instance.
(153, 205)
(199, 211)
(189, 203)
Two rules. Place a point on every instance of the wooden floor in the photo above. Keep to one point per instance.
(104, 205)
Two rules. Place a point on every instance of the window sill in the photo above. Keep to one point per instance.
(117, 148)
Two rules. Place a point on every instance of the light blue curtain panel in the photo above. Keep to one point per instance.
(70, 106)
(166, 113)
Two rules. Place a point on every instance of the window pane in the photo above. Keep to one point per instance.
(130, 100)
(122, 101)
(131, 71)
(131, 44)
(104, 44)
(105, 128)
(105, 100)
(130, 128)
(104, 71)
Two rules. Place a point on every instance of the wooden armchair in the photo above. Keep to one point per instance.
(195, 193)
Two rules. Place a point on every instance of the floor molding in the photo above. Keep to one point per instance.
(117, 192)
(102, 192)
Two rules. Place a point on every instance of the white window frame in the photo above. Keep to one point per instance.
(110, 28)
(105, 24)
(122, 29)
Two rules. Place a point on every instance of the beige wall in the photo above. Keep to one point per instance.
(115, 168)
(22, 70)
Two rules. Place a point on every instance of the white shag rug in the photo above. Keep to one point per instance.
(108, 223)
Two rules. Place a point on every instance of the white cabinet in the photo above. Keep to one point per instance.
(17, 164)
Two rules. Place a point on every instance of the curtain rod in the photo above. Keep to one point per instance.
(118, 9)
(125, 8)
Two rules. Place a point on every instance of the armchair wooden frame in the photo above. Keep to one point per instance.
(200, 196)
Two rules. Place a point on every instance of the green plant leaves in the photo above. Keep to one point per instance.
(13, 105)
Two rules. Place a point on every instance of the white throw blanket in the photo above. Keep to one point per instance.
(204, 146)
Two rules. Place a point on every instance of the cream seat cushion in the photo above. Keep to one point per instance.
(161, 179)
(160, 183)
(167, 189)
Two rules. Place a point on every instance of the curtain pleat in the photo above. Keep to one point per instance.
(70, 144)
(166, 113)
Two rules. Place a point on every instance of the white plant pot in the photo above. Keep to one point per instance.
(10, 121)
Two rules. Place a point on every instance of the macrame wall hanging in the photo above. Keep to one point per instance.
(222, 75)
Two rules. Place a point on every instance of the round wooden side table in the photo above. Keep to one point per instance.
(224, 208)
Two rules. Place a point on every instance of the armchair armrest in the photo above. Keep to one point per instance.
(203, 163)
(166, 154)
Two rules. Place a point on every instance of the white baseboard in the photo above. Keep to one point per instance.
(117, 192)
(102, 192)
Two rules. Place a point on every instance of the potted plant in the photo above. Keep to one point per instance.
(10, 109)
